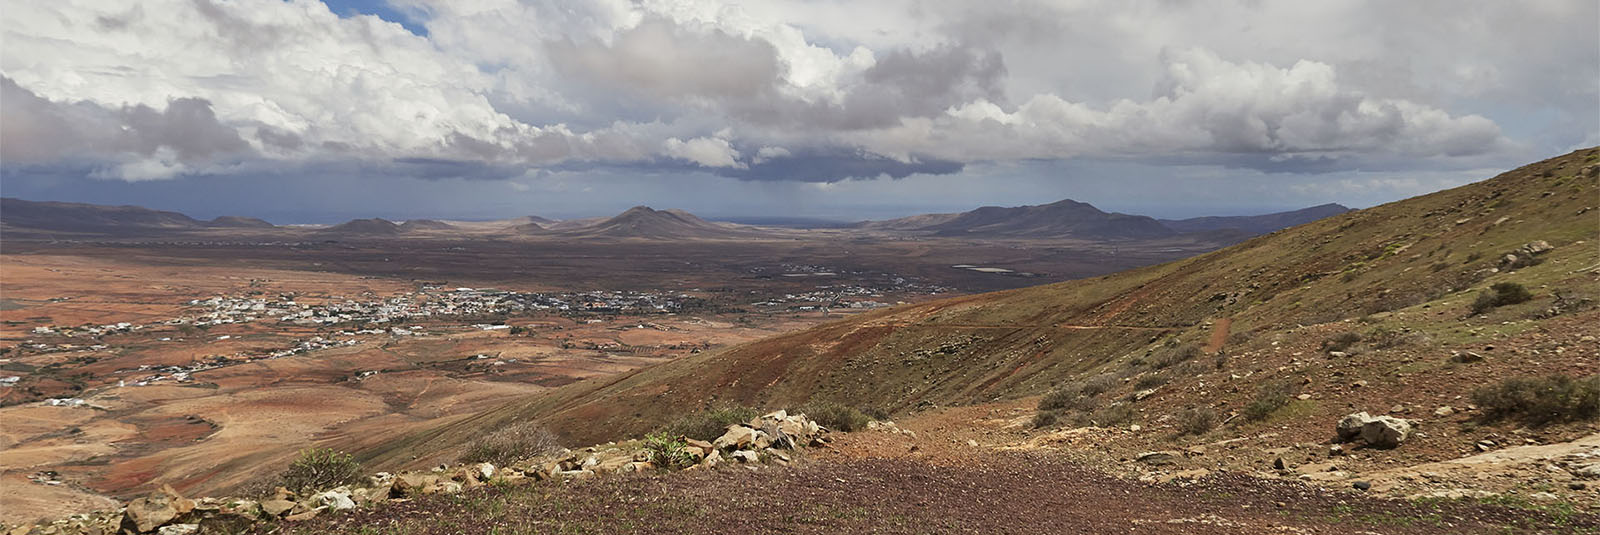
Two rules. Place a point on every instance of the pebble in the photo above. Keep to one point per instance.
(1362, 485)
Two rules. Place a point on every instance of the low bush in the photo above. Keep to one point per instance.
(1173, 356)
(1541, 400)
(515, 442)
(709, 424)
(1341, 342)
(1067, 397)
(321, 468)
(1115, 415)
(1271, 397)
(1099, 384)
(835, 416)
(1196, 421)
(667, 451)
(1499, 295)
(1043, 419)
(1151, 381)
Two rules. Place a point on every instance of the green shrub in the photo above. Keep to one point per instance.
(320, 469)
(835, 416)
(1501, 294)
(667, 451)
(1043, 419)
(512, 443)
(1541, 400)
(1196, 421)
(709, 424)
(1271, 397)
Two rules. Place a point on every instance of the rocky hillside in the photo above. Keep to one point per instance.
(79, 217)
(1401, 277)
(649, 223)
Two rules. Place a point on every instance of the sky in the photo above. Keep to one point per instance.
(302, 111)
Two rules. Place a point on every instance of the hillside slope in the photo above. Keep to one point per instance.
(79, 217)
(1421, 259)
(1257, 224)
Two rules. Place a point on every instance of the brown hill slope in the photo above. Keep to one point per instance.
(1425, 257)
(79, 217)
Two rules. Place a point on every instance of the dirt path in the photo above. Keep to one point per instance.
(1219, 335)
(1011, 493)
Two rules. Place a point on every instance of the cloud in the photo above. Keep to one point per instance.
(704, 151)
(1205, 108)
(790, 90)
(137, 142)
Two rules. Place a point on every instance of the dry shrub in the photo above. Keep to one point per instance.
(515, 442)
(1541, 400)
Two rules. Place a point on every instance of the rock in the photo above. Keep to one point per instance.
(1278, 464)
(1158, 458)
(180, 529)
(746, 456)
(737, 437)
(1361, 485)
(380, 479)
(1338, 354)
(144, 515)
(276, 508)
(1142, 394)
(705, 447)
(1377, 431)
(486, 471)
(413, 485)
(334, 501)
(972, 443)
(303, 516)
(1577, 485)
(1535, 247)
(1466, 357)
(1444, 411)
(1335, 450)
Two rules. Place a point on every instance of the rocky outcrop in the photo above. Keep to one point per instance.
(1377, 431)
(764, 439)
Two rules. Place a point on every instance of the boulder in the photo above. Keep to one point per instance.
(1535, 247)
(413, 485)
(737, 437)
(276, 508)
(1377, 431)
(486, 471)
(180, 529)
(334, 500)
(746, 456)
(144, 515)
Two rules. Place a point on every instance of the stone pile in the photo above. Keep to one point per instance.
(766, 438)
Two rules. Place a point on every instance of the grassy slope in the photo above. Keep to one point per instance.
(1432, 249)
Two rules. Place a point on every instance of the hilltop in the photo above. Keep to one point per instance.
(364, 227)
(649, 223)
(1391, 287)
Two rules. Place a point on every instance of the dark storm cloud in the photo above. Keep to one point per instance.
(36, 130)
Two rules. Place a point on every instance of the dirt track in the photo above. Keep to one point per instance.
(1013, 493)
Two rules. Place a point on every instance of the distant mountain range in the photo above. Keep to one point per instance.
(1073, 219)
(1256, 224)
(1061, 219)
